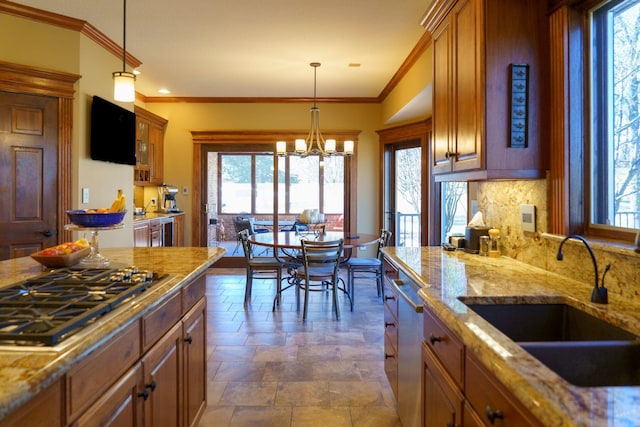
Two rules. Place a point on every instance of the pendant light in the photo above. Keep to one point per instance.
(315, 144)
(123, 81)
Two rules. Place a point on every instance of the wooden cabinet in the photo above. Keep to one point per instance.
(149, 148)
(194, 354)
(474, 44)
(442, 398)
(154, 373)
(156, 232)
(44, 410)
(178, 230)
(141, 235)
(390, 328)
(457, 389)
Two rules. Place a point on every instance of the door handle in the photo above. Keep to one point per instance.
(47, 233)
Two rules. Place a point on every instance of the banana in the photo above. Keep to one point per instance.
(120, 203)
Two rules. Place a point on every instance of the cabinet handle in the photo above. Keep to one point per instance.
(493, 415)
(387, 298)
(389, 324)
(189, 339)
(144, 394)
(388, 356)
(449, 155)
(151, 386)
(434, 339)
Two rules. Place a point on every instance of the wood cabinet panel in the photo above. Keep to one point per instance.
(195, 363)
(178, 230)
(442, 398)
(391, 365)
(156, 323)
(120, 406)
(141, 234)
(88, 379)
(44, 410)
(150, 130)
(489, 398)
(163, 379)
(445, 345)
(193, 292)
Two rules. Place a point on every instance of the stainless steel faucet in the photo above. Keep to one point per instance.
(599, 293)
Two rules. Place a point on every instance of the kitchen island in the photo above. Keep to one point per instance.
(131, 331)
(448, 277)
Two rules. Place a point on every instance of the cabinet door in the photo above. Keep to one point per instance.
(442, 93)
(442, 400)
(195, 363)
(120, 406)
(155, 234)
(156, 153)
(468, 85)
(141, 235)
(178, 230)
(44, 410)
(163, 380)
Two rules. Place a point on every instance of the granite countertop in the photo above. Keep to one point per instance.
(154, 215)
(446, 276)
(25, 372)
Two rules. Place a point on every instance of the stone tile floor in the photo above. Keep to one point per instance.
(270, 369)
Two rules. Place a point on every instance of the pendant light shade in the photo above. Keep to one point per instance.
(123, 81)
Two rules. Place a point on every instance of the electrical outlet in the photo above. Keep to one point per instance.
(153, 202)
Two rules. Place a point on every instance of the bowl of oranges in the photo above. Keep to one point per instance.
(63, 255)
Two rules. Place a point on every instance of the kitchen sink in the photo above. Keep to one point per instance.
(591, 363)
(548, 322)
(582, 349)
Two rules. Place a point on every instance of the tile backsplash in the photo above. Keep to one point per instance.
(500, 201)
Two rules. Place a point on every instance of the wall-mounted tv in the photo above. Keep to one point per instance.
(113, 133)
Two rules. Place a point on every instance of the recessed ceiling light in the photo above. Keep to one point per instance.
(164, 91)
(136, 72)
(354, 64)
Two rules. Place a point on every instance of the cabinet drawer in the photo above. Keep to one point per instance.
(44, 410)
(488, 397)
(192, 293)
(160, 320)
(391, 365)
(390, 271)
(91, 377)
(445, 345)
(390, 300)
(390, 327)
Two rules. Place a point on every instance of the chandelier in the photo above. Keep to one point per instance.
(315, 144)
(123, 82)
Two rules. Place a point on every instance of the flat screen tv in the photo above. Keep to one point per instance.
(113, 133)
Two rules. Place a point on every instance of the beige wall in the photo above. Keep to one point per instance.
(184, 118)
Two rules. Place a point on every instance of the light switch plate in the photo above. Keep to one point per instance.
(185, 190)
(528, 217)
(85, 195)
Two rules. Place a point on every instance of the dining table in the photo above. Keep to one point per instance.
(286, 247)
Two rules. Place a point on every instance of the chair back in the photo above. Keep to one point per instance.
(321, 258)
(241, 224)
(243, 236)
(383, 241)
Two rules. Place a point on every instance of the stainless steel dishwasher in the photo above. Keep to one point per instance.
(409, 350)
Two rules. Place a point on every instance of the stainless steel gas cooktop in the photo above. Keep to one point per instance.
(47, 309)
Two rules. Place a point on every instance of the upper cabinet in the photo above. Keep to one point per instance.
(489, 87)
(149, 148)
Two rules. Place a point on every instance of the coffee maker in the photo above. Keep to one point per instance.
(167, 199)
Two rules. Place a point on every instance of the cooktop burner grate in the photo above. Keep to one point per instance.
(46, 309)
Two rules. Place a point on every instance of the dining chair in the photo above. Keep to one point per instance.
(319, 272)
(368, 267)
(259, 267)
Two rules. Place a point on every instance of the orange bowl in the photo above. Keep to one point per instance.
(56, 261)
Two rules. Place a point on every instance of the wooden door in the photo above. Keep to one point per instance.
(28, 173)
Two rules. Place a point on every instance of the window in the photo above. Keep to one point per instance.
(615, 97)
(454, 209)
(246, 183)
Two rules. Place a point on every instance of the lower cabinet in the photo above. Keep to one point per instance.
(152, 374)
(162, 231)
(458, 390)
